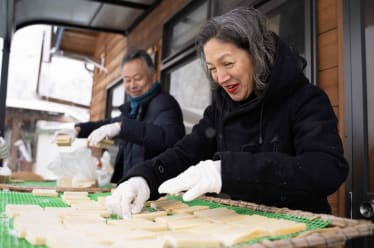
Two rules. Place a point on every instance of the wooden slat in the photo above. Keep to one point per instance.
(341, 115)
(80, 42)
(326, 15)
(328, 81)
(327, 50)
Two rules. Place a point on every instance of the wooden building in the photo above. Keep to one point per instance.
(333, 36)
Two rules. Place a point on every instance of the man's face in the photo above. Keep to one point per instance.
(137, 78)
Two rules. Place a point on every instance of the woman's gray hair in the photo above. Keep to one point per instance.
(247, 29)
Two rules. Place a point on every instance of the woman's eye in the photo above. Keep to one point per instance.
(228, 64)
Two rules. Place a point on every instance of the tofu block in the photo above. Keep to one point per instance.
(168, 205)
(38, 235)
(77, 194)
(215, 212)
(143, 224)
(149, 215)
(154, 243)
(171, 218)
(75, 240)
(186, 223)
(234, 235)
(63, 140)
(282, 227)
(44, 192)
(104, 144)
(13, 210)
(189, 239)
(189, 210)
(249, 220)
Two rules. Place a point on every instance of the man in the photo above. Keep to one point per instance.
(150, 121)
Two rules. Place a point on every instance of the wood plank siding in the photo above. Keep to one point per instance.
(330, 72)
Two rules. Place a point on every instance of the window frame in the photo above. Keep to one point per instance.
(109, 97)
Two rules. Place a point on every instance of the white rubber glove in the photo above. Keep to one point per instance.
(196, 180)
(129, 197)
(72, 132)
(106, 131)
(4, 153)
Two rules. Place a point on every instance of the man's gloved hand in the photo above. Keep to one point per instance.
(106, 131)
(196, 180)
(72, 132)
(4, 153)
(129, 197)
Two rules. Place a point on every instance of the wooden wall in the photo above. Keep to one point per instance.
(112, 47)
(330, 71)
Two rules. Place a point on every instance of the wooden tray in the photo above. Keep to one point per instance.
(22, 188)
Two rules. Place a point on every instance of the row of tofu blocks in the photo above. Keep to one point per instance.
(84, 224)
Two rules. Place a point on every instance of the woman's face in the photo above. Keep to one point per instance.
(231, 67)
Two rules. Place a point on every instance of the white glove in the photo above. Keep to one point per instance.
(106, 131)
(72, 132)
(196, 180)
(4, 153)
(129, 197)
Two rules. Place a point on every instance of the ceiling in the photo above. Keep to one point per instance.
(119, 16)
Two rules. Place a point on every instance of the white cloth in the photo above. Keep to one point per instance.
(205, 177)
(4, 152)
(106, 131)
(129, 197)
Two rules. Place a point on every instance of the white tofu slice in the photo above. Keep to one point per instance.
(44, 192)
(282, 227)
(189, 210)
(187, 239)
(149, 215)
(168, 218)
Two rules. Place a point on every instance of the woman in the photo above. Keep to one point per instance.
(269, 137)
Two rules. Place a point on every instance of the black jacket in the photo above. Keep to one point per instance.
(157, 126)
(281, 148)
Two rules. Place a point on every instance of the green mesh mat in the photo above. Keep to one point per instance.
(9, 240)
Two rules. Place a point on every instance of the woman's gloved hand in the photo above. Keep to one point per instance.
(106, 131)
(129, 197)
(196, 180)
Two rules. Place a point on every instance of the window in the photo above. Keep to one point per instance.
(115, 98)
(292, 21)
(191, 88)
(1, 53)
(181, 29)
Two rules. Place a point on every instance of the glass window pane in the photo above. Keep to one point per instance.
(190, 86)
(185, 28)
(369, 41)
(224, 6)
(118, 96)
(1, 53)
(288, 21)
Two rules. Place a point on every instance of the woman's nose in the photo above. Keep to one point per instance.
(222, 76)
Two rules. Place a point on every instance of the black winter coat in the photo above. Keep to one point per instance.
(281, 148)
(157, 126)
